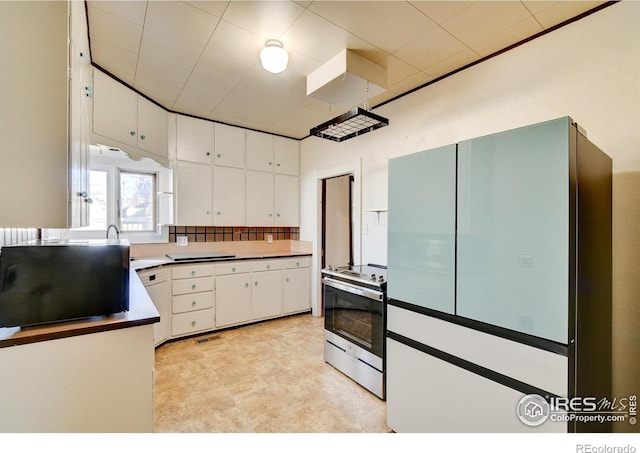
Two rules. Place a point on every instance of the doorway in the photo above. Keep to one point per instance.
(337, 221)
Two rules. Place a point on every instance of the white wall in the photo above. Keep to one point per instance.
(589, 70)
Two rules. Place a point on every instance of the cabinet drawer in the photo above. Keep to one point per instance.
(266, 265)
(192, 285)
(292, 263)
(202, 270)
(237, 267)
(192, 321)
(191, 302)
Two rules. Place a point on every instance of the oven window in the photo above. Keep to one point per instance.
(355, 318)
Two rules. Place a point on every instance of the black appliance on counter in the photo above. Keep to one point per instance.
(355, 310)
(48, 281)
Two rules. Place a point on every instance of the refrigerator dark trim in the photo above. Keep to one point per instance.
(474, 368)
(501, 332)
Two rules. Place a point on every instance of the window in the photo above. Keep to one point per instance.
(136, 201)
(98, 193)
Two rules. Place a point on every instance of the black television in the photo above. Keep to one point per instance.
(50, 281)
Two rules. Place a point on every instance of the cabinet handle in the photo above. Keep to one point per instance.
(83, 194)
(218, 156)
(297, 263)
(193, 286)
(142, 137)
(268, 266)
(88, 200)
(255, 283)
(233, 269)
(193, 303)
(208, 211)
(277, 165)
(193, 273)
(270, 214)
(218, 213)
(193, 323)
(270, 163)
(286, 279)
(246, 285)
(208, 153)
(278, 215)
(132, 133)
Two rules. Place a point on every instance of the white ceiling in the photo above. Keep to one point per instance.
(202, 57)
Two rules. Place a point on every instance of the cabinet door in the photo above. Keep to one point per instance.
(259, 198)
(513, 229)
(295, 285)
(193, 194)
(233, 299)
(194, 139)
(153, 128)
(267, 294)
(229, 146)
(422, 198)
(33, 117)
(259, 151)
(159, 294)
(228, 196)
(287, 156)
(115, 110)
(287, 201)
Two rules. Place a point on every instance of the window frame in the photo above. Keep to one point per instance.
(118, 198)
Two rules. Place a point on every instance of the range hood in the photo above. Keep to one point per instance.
(346, 80)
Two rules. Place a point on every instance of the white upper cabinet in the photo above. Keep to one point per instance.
(287, 156)
(229, 146)
(259, 198)
(193, 187)
(260, 151)
(286, 201)
(228, 196)
(153, 131)
(194, 139)
(121, 116)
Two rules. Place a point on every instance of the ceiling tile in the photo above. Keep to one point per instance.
(160, 81)
(180, 20)
(417, 79)
(397, 69)
(441, 11)
(214, 8)
(430, 48)
(171, 50)
(133, 11)
(485, 19)
(319, 39)
(558, 12)
(268, 19)
(235, 42)
(453, 62)
(121, 63)
(195, 102)
(506, 37)
(387, 25)
(114, 30)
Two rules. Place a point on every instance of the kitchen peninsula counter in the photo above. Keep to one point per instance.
(93, 375)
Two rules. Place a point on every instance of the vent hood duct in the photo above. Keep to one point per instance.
(347, 80)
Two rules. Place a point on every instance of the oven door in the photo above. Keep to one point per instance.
(355, 314)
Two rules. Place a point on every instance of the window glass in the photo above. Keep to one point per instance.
(136, 203)
(98, 190)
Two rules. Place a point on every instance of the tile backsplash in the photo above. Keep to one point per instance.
(10, 236)
(220, 234)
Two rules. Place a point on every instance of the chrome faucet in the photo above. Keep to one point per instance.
(117, 231)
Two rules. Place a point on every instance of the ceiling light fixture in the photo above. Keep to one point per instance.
(273, 57)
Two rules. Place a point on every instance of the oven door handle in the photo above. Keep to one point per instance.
(370, 294)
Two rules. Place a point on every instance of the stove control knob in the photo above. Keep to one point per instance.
(380, 278)
(373, 277)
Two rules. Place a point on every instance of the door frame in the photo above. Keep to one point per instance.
(352, 168)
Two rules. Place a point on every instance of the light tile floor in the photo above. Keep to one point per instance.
(269, 377)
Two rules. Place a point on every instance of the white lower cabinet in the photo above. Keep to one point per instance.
(295, 285)
(193, 299)
(234, 299)
(266, 299)
(156, 282)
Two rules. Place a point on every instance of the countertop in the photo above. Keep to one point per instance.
(141, 311)
(149, 263)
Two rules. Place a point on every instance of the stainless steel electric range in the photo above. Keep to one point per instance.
(355, 299)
